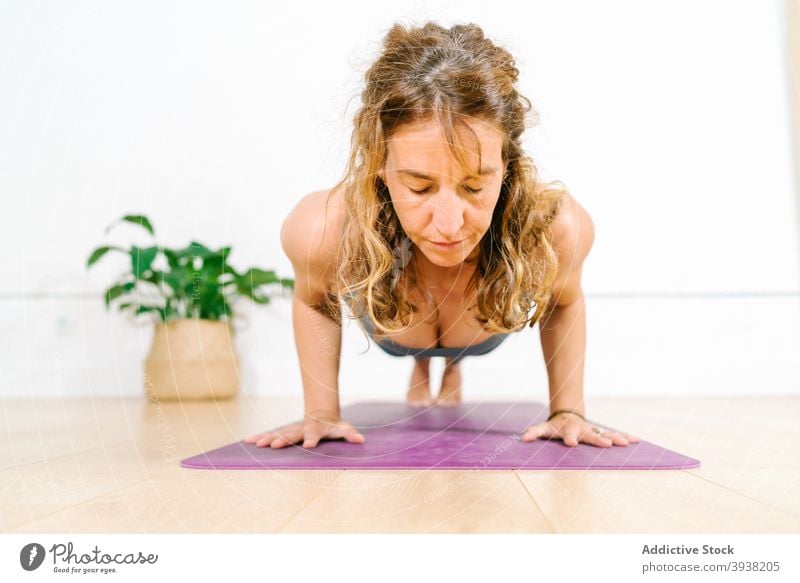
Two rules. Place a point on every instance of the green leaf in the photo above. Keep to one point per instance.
(144, 309)
(117, 290)
(255, 277)
(160, 279)
(175, 280)
(260, 299)
(142, 259)
(140, 220)
(172, 257)
(196, 249)
(99, 252)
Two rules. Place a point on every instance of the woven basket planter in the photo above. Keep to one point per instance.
(192, 359)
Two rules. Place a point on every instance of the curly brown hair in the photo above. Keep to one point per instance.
(433, 73)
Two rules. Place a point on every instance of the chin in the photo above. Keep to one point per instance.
(447, 258)
(445, 261)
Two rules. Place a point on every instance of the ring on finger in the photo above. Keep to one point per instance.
(598, 430)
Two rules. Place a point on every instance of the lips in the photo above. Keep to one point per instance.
(445, 245)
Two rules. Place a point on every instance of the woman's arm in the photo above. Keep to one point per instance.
(563, 328)
(562, 331)
(318, 343)
(311, 249)
(563, 339)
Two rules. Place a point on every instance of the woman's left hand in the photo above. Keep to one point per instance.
(573, 430)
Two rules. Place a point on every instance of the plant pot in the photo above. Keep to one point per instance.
(192, 359)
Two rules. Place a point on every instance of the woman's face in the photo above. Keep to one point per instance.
(434, 200)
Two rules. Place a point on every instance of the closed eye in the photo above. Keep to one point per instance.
(467, 188)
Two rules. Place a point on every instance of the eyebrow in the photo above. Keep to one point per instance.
(423, 176)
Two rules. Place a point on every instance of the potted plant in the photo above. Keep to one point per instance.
(189, 294)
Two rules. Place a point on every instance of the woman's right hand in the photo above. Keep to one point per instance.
(310, 431)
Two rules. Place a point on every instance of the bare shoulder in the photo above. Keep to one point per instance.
(311, 232)
(573, 230)
(573, 236)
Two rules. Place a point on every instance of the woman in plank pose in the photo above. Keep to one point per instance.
(440, 237)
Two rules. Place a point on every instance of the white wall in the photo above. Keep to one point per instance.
(669, 121)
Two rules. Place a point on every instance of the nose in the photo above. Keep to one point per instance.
(448, 215)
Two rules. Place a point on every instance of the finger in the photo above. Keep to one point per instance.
(258, 436)
(254, 438)
(265, 438)
(310, 442)
(530, 433)
(534, 432)
(280, 442)
(570, 437)
(288, 437)
(593, 438)
(354, 436)
(616, 438)
(347, 431)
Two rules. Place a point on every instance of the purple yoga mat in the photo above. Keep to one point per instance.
(476, 435)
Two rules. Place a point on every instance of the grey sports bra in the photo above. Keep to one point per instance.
(453, 352)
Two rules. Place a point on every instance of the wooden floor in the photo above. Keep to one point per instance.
(112, 465)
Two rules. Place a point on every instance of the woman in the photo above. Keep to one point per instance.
(440, 237)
